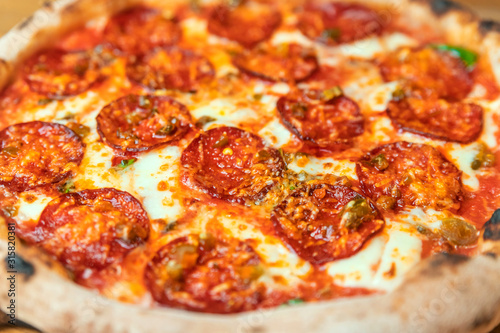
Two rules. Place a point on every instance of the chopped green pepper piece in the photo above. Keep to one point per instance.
(221, 142)
(332, 93)
(458, 232)
(126, 163)
(380, 162)
(44, 101)
(355, 213)
(332, 34)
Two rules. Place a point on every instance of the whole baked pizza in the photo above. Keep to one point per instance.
(251, 166)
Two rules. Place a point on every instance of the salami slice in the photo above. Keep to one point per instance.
(140, 29)
(320, 119)
(409, 174)
(246, 24)
(324, 222)
(38, 153)
(171, 68)
(202, 273)
(436, 118)
(231, 164)
(439, 72)
(336, 22)
(139, 123)
(287, 62)
(92, 228)
(57, 74)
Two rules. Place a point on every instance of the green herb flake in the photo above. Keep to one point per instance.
(468, 57)
(295, 301)
(126, 163)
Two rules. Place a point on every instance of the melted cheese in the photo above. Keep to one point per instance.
(322, 166)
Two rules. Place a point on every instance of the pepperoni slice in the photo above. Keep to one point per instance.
(409, 174)
(140, 29)
(58, 74)
(231, 164)
(92, 228)
(437, 118)
(324, 222)
(287, 62)
(171, 68)
(430, 70)
(206, 274)
(247, 24)
(38, 153)
(139, 123)
(319, 119)
(334, 23)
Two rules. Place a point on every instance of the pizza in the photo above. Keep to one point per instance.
(251, 166)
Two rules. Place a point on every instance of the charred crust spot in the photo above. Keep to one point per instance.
(441, 261)
(25, 22)
(21, 266)
(492, 227)
(47, 4)
(491, 255)
(449, 259)
(442, 7)
(483, 320)
(487, 26)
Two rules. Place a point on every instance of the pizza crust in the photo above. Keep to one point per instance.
(443, 293)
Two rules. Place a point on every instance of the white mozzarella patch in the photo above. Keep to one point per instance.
(463, 156)
(194, 26)
(147, 172)
(30, 210)
(380, 126)
(430, 218)
(43, 113)
(323, 166)
(289, 37)
(381, 264)
(275, 134)
(280, 88)
(490, 126)
(366, 48)
(94, 171)
(225, 111)
(402, 252)
(375, 98)
(359, 269)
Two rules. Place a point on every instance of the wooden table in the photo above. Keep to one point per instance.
(13, 11)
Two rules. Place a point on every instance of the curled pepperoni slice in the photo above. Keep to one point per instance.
(58, 74)
(92, 228)
(38, 153)
(324, 222)
(202, 273)
(333, 23)
(138, 123)
(437, 118)
(231, 164)
(171, 68)
(140, 29)
(319, 119)
(247, 24)
(286, 62)
(408, 174)
(433, 71)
